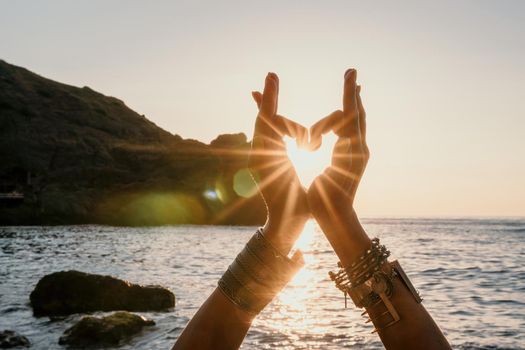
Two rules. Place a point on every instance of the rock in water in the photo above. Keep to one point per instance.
(69, 292)
(109, 330)
(11, 339)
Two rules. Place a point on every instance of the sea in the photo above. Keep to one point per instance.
(470, 273)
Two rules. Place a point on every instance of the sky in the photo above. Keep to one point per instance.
(442, 81)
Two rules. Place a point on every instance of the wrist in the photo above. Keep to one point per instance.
(257, 274)
(283, 232)
(346, 235)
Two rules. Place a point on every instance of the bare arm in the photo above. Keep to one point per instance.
(331, 198)
(220, 323)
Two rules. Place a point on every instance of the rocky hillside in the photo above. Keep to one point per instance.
(71, 155)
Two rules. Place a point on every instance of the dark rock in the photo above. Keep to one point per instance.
(229, 140)
(80, 157)
(109, 330)
(11, 339)
(69, 292)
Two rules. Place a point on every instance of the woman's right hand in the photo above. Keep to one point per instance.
(278, 182)
(331, 195)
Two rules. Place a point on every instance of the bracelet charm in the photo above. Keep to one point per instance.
(369, 281)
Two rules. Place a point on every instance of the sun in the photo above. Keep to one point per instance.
(310, 164)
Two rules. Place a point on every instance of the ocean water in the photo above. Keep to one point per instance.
(470, 273)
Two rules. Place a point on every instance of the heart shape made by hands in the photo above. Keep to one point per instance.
(309, 164)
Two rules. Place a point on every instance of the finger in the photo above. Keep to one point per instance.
(270, 93)
(265, 119)
(257, 97)
(262, 129)
(329, 123)
(292, 129)
(342, 153)
(258, 131)
(266, 145)
(302, 137)
(349, 93)
(359, 149)
(264, 125)
(362, 120)
(351, 126)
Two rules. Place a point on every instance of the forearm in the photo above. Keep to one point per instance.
(416, 329)
(344, 232)
(250, 283)
(219, 324)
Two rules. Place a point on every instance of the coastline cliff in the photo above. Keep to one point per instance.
(71, 155)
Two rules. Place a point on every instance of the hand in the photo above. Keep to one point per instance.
(331, 195)
(350, 155)
(275, 175)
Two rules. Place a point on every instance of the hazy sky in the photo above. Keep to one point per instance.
(442, 81)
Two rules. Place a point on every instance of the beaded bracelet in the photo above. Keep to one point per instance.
(257, 274)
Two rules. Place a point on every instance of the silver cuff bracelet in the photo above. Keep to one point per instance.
(257, 274)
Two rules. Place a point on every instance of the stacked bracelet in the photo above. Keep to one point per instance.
(369, 263)
(369, 281)
(363, 268)
(257, 274)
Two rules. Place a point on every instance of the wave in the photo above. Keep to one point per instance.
(517, 230)
(472, 346)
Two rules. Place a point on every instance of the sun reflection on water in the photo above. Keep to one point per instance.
(305, 241)
(300, 292)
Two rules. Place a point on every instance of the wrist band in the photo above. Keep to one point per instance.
(257, 274)
(369, 281)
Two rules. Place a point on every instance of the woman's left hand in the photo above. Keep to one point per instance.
(331, 195)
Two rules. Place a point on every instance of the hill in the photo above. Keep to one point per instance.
(71, 155)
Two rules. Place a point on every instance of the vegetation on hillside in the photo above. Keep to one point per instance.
(78, 156)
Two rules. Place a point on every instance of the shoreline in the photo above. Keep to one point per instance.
(364, 219)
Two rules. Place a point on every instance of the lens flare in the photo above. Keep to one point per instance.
(243, 184)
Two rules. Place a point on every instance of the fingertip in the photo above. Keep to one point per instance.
(272, 75)
(314, 144)
(350, 73)
(305, 138)
(315, 139)
(302, 137)
(270, 93)
(257, 97)
(272, 81)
